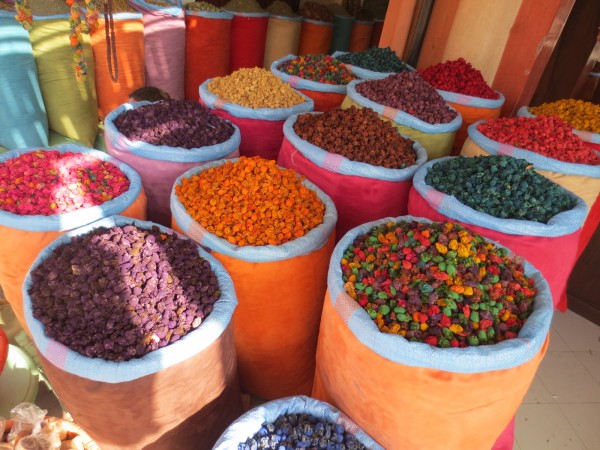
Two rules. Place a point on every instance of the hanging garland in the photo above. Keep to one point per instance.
(83, 20)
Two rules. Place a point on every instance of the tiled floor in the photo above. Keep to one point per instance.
(562, 407)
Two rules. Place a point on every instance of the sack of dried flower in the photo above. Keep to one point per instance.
(274, 234)
(136, 350)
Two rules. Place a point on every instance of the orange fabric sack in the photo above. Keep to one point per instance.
(361, 36)
(315, 37)
(409, 395)
(280, 292)
(207, 42)
(24, 236)
(472, 109)
(129, 37)
(181, 396)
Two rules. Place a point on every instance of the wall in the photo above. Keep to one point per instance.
(397, 25)
(477, 30)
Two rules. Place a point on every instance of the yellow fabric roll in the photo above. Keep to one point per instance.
(71, 104)
(283, 36)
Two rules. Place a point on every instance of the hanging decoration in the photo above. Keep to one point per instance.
(83, 20)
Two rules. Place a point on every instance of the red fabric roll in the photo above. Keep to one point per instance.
(207, 47)
(248, 38)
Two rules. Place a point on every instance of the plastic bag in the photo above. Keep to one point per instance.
(342, 31)
(539, 243)
(590, 138)
(436, 138)
(366, 74)
(283, 36)
(361, 36)
(581, 179)
(24, 236)
(27, 419)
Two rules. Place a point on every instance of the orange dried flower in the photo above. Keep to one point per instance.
(251, 201)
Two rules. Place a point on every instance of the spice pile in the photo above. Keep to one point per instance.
(47, 7)
(48, 182)
(437, 283)
(359, 135)
(320, 68)
(458, 76)
(501, 186)
(293, 431)
(121, 6)
(316, 11)
(281, 8)
(244, 6)
(255, 88)
(375, 59)
(202, 6)
(408, 92)
(547, 135)
(118, 293)
(580, 114)
(251, 201)
(174, 123)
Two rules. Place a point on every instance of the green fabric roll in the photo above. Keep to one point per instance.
(342, 30)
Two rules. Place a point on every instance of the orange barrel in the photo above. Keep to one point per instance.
(129, 34)
(283, 37)
(361, 36)
(315, 37)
